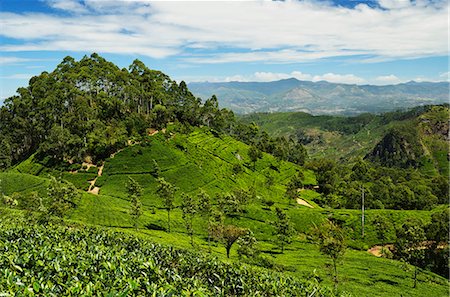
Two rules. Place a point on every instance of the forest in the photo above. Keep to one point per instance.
(120, 182)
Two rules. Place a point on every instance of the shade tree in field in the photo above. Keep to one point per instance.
(437, 233)
(166, 191)
(156, 170)
(331, 241)
(294, 185)
(247, 245)
(254, 154)
(283, 228)
(134, 191)
(229, 235)
(382, 228)
(409, 245)
(228, 203)
(205, 209)
(189, 207)
(62, 196)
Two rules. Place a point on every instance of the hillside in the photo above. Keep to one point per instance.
(292, 95)
(202, 160)
(172, 191)
(346, 138)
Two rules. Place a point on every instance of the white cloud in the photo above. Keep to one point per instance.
(12, 60)
(387, 79)
(445, 76)
(340, 78)
(20, 76)
(68, 5)
(264, 31)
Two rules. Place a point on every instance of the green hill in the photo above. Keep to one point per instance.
(203, 160)
(80, 143)
(346, 138)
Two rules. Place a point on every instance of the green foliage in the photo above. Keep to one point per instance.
(134, 190)
(283, 227)
(331, 240)
(229, 235)
(408, 247)
(382, 227)
(89, 262)
(294, 185)
(189, 207)
(63, 196)
(5, 154)
(166, 192)
(247, 245)
(254, 154)
(92, 108)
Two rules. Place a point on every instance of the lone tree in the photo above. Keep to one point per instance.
(205, 209)
(166, 191)
(155, 171)
(284, 229)
(189, 207)
(331, 240)
(247, 245)
(254, 154)
(230, 234)
(409, 244)
(63, 196)
(294, 185)
(134, 191)
(382, 226)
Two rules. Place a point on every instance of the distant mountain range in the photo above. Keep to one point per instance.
(320, 97)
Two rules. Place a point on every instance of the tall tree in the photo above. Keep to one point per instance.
(247, 245)
(63, 196)
(230, 234)
(382, 226)
(205, 209)
(294, 185)
(254, 154)
(166, 191)
(283, 227)
(189, 207)
(409, 244)
(134, 191)
(331, 240)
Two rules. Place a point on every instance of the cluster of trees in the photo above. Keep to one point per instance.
(288, 149)
(61, 197)
(91, 108)
(383, 187)
(201, 205)
(422, 245)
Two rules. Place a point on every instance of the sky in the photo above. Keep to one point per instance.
(353, 41)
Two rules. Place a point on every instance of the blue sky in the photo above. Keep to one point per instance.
(367, 41)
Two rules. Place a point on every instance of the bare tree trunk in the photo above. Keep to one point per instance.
(335, 275)
(168, 220)
(415, 277)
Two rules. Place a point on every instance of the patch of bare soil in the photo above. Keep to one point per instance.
(376, 250)
(303, 202)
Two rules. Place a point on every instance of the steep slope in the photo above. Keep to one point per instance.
(344, 138)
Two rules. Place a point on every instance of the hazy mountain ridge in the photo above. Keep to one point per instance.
(321, 97)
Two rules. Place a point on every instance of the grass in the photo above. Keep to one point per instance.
(201, 160)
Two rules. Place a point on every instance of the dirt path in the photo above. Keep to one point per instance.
(92, 188)
(303, 202)
(376, 250)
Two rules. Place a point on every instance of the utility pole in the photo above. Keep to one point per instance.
(362, 210)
